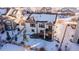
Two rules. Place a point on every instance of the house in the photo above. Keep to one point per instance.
(49, 30)
(33, 26)
(64, 29)
(9, 23)
(30, 26)
(76, 35)
(42, 28)
(69, 11)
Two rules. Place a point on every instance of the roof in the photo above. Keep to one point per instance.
(4, 10)
(70, 11)
(30, 21)
(49, 23)
(42, 21)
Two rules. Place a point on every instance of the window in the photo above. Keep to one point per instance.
(50, 27)
(72, 35)
(54, 31)
(78, 41)
(41, 31)
(33, 30)
(47, 30)
(42, 25)
(70, 40)
(32, 25)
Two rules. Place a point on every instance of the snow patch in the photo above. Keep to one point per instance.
(11, 47)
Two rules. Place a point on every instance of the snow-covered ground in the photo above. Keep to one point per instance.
(39, 43)
(72, 46)
(11, 47)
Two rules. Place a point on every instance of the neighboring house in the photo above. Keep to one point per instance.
(76, 35)
(65, 30)
(9, 23)
(69, 11)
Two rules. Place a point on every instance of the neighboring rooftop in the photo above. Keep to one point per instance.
(42, 21)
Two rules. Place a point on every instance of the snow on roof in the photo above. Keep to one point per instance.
(11, 47)
(3, 10)
(68, 19)
(44, 17)
(42, 21)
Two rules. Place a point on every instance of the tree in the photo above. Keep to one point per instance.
(8, 36)
(24, 35)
